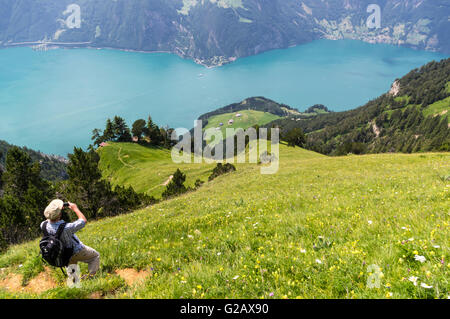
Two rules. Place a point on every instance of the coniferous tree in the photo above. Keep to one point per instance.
(153, 132)
(176, 185)
(121, 130)
(25, 197)
(97, 137)
(138, 128)
(85, 186)
(295, 137)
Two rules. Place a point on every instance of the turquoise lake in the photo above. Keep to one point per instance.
(51, 101)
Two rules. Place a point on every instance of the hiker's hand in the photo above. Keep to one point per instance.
(73, 206)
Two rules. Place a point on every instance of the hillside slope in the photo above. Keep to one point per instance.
(214, 32)
(310, 231)
(412, 117)
(146, 169)
(53, 168)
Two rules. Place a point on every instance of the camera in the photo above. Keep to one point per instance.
(66, 204)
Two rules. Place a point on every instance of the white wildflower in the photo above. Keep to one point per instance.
(424, 285)
(420, 258)
(413, 279)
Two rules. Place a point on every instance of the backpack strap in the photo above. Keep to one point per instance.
(60, 230)
(44, 228)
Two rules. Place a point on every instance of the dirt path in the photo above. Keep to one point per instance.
(168, 181)
(122, 161)
(132, 276)
(42, 282)
(163, 184)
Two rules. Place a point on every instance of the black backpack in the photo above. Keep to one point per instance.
(52, 248)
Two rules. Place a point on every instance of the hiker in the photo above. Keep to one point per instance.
(68, 238)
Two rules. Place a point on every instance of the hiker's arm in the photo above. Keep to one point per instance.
(75, 209)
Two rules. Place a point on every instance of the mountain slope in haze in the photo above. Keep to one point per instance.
(213, 32)
(412, 117)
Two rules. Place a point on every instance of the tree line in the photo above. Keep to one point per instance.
(386, 124)
(143, 132)
(53, 168)
(24, 194)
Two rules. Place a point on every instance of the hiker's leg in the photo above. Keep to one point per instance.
(90, 256)
(94, 260)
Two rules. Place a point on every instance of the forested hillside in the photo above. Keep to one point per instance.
(412, 117)
(53, 168)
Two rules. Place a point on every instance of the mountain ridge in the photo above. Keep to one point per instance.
(216, 32)
(411, 117)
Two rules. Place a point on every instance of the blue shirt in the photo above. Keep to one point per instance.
(68, 237)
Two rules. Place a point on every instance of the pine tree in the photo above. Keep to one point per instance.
(25, 197)
(109, 134)
(85, 185)
(295, 137)
(153, 132)
(121, 130)
(176, 185)
(138, 128)
(97, 137)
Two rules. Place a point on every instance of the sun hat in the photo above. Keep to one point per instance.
(53, 210)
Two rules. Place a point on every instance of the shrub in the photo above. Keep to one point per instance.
(221, 169)
(176, 185)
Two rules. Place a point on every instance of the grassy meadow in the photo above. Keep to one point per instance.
(373, 226)
(247, 119)
(146, 169)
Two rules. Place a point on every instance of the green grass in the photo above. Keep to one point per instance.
(248, 119)
(309, 231)
(145, 168)
(404, 98)
(437, 107)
